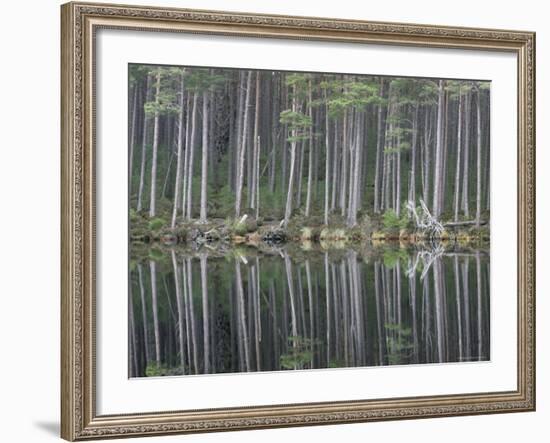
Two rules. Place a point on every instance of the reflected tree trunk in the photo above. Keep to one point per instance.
(154, 298)
(179, 304)
(205, 314)
(144, 315)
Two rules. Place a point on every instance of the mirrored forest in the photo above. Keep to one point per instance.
(285, 220)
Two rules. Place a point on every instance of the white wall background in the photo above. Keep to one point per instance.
(29, 218)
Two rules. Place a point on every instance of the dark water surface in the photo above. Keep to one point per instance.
(240, 310)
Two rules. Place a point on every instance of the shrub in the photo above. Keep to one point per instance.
(390, 220)
(156, 224)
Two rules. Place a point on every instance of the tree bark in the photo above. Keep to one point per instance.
(478, 160)
(180, 152)
(152, 202)
(458, 157)
(290, 193)
(436, 209)
(242, 148)
(327, 158)
(191, 157)
(310, 153)
(144, 148)
(204, 168)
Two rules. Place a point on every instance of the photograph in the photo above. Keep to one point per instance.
(283, 221)
(273, 219)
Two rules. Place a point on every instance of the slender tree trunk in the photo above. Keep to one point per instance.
(327, 158)
(347, 146)
(242, 148)
(205, 314)
(241, 315)
(181, 333)
(398, 175)
(438, 166)
(204, 169)
(152, 203)
(288, 207)
(255, 188)
(458, 157)
(144, 148)
(191, 157)
(458, 307)
(192, 314)
(478, 160)
(310, 153)
(132, 140)
(379, 153)
(335, 165)
(153, 269)
(465, 178)
(180, 152)
(132, 341)
(412, 189)
(186, 158)
(479, 308)
(144, 315)
(354, 194)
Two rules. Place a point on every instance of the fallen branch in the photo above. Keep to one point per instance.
(465, 222)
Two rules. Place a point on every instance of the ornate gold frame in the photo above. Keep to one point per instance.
(79, 21)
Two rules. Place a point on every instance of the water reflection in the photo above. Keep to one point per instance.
(239, 310)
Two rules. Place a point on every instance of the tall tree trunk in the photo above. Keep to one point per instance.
(438, 166)
(478, 160)
(255, 188)
(242, 148)
(465, 178)
(144, 147)
(132, 140)
(310, 153)
(204, 169)
(185, 172)
(379, 152)
(152, 202)
(398, 174)
(290, 193)
(347, 146)
(458, 157)
(412, 184)
(327, 158)
(355, 180)
(180, 152)
(191, 157)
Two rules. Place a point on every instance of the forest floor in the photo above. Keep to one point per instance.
(219, 235)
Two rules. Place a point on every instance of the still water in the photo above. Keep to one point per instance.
(240, 310)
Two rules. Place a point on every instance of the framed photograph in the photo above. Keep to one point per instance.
(282, 221)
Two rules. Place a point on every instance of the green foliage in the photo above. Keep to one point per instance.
(156, 254)
(390, 220)
(156, 224)
(398, 342)
(297, 122)
(300, 352)
(236, 227)
(199, 80)
(392, 256)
